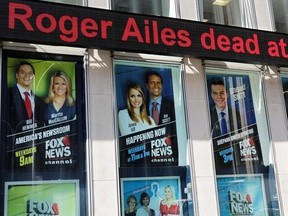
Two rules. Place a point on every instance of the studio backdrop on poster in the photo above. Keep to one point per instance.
(155, 190)
(42, 198)
(163, 190)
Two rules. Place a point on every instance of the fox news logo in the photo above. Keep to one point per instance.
(240, 203)
(41, 208)
(58, 148)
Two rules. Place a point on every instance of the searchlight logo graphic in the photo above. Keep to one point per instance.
(240, 203)
(41, 208)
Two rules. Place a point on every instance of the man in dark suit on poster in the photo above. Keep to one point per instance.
(230, 155)
(220, 113)
(160, 108)
(25, 109)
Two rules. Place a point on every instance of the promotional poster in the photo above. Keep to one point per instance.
(41, 133)
(242, 195)
(41, 114)
(46, 198)
(234, 131)
(154, 187)
(149, 115)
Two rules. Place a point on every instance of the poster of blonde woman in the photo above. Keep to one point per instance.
(169, 205)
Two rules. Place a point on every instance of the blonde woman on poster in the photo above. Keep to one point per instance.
(135, 117)
(60, 104)
(169, 206)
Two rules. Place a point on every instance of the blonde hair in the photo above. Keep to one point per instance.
(143, 112)
(69, 98)
(172, 191)
(127, 204)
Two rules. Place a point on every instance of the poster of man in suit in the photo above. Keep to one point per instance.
(234, 131)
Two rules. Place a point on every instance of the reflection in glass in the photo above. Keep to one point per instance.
(151, 7)
(280, 8)
(228, 12)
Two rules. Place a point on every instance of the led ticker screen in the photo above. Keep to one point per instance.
(104, 29)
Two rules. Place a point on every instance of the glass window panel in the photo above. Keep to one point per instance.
(244, 170)
(280, 9)
(228, 12)
(284, 79)
(150, 7)
(73, 2)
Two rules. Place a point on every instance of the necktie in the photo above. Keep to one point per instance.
(28, 105)
(155, 113)
(224, 129)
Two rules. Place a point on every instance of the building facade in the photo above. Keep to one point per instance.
(104, 149)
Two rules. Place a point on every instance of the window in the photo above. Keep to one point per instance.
(280, 8)
(152, 139)
(239, 133)
(284, 79)
(228, 12)
(151, 7)
(43, 151)
(72, 2)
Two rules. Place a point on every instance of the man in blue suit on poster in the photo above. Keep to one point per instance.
(160, 108)
(220, 113)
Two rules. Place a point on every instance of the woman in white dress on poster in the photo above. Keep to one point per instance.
(135, 117)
